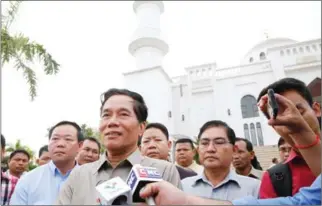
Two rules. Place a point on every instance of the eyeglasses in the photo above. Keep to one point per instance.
(218, 142)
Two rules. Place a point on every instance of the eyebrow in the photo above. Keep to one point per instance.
(215, 138)
(119, 110)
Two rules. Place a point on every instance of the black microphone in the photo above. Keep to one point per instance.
(114, 192)
(138, 178)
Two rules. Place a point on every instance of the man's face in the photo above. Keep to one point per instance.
(184, 154)
(44, 158)
(119, 125)
(63, 144)
(284, 151)
(18, 163)
(214, 149)
(310, 114)
(155, 144)
(88, 153)
(241, 157)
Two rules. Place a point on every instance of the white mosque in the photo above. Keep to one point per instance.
(206, 92)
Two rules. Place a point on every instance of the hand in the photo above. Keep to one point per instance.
(289, 121)
(164, 193)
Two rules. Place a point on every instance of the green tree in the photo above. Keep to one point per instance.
(19, 49)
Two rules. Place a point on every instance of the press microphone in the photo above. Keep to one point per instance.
(114, 192)
(138, 178)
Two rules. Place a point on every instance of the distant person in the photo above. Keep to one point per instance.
(90, 151)
(8, 183)
(185, 153)
(155, 144)
(216, 145)
(18, 163)
(274, 162)
(44, 156)
(284, 149)
(243, 158)
(41, 185)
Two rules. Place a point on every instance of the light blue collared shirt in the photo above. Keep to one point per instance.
(306, 196)
(39, 187)
(234, 186)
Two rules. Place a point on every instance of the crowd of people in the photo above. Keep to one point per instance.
(228, 172)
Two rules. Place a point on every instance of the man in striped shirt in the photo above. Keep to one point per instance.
(8, 184)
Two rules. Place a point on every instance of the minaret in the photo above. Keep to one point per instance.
(147, 45)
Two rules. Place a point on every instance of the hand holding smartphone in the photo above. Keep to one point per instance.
(272, 104)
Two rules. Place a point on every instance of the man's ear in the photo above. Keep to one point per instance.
(317, 109)
(169, 144)
(252, 155)
(37, 161)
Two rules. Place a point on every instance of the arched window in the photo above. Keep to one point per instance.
(253, 134)
(262, 56)
(182, 117)
(259, 134)
(249, 106)
(251, 60)
(246, 132)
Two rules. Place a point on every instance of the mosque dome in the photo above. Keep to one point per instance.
(259, 51)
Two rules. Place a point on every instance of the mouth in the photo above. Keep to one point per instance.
(59, 153)
(113, 134)
(211, 158)
(153, 153)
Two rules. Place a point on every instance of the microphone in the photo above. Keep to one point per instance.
(138, 178)
(114, 192)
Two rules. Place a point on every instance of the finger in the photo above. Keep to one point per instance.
(263, 100)
(279, 121)
(149, 190)
(282, 101)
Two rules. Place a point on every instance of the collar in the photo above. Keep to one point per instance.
(293, 156)
(231, 177)
(54, 170)
(255, 173)
(134, 158)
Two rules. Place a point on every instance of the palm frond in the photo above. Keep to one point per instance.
(11, 13)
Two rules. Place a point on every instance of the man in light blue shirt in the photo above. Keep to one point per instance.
(232, 187)
(41, 186)
(218, 181)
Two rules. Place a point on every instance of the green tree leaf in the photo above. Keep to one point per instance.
(19, 49)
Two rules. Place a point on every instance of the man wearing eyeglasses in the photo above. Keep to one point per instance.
(218, 181)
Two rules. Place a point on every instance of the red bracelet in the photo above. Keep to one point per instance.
(310, 145)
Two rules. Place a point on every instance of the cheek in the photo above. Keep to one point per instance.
(102, 125)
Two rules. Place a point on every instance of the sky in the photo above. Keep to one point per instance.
(90, 40)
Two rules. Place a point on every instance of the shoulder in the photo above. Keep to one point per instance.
(160, 164)
(247, 181)
(189, 181)
(184, 173)
(37, 172)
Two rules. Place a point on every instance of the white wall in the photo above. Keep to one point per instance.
(155, 89)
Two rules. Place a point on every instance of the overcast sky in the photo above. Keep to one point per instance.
(90, 41)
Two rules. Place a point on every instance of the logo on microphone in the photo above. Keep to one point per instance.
(148, 173)
(132, 180)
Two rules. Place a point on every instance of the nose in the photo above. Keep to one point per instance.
(151, 145)
(113, 121)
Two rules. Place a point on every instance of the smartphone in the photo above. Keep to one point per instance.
(272, 104)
